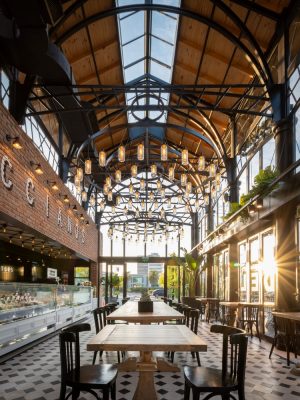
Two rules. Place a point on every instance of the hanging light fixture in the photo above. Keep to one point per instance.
(197, 205)
(158, 185)
(206, 199)
(201, 163)
(212, 170)
(174, 210)
(169, 201)
(110, 232)
(142, 184)
(164, 152)
(171, 173)
(102, 205)
(129, 204)
(183, 179)
(153, 170)
(187, 209)
(131, 188)
(105, 189)
(113, 209)
(118, 175)
(137, 214)
(213, 192)
(162, 213)
(188, 187)
(140, 152)
(108, 181)
(185, 157)
(84, 195)
(79, 173)
(150, 214)
(109, 196)
(179, 199)
(136, 195)
(121, 153)
(125, 210)
(143, 206)
(134, 171)
(102, 158)
(163, 193)
(151, 196)
(92, 200)
(156, 205)
(88, 167)
(77, 181)
(118, 201)
(218, 180)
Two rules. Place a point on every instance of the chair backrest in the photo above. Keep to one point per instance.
(100, 318)
(213, 304)
(69, 355)
(186, 312)
(283, 326)
(249, 313)
(226, 331)
(238, 358)
(194, 320)
(76, 329)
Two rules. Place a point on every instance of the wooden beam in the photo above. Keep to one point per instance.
(97, 49)
(102, 71)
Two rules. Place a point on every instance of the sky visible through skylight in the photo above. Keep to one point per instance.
(163, 35)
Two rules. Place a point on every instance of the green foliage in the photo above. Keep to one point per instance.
(145, 295)
(261, 187)
(153, 278)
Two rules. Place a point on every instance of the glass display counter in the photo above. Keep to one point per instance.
(39, 309)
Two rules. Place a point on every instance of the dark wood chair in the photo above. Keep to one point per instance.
(87, 377)
(191, 322)
(221, 381)
(100, 314)
(286, 333)
(248, 316)
(212, 311)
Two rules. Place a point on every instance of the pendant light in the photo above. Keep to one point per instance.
(108, 181)
(134, 171)
(179, 199)
(102, 158)
(137, 215)
(156, 205)
(183, 179)
(136, 195)
(84, 195)
(150, 214)
(118, 175)
(197, 205)
(130, 204)
(174, 210)
(92, 200)
(212, 170)
(164, 152)
(162, 213)
(125, 210)
(185, 157)
(131, 188)
(151, 196)
(158, 185)
(109, 196)
(77, 181)
(88, 167)
(79, 173)
(188, 187)
(142, 184)
(113, 209)
(118, 201)
(163, 193)
(140, 152)
(201, 163)
(169, 202)
(143, 206)
(218, 180)
(171, 173)
(153, 170)
(121, 153)
(105, 189)
(102, 205)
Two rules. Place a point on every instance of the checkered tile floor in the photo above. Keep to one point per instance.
(35, 374)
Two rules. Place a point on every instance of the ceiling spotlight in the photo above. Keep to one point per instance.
(38, 168)
(15, 141)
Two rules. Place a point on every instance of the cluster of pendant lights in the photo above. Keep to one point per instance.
(107, 188)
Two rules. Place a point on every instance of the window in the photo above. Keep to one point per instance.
(268, 154)
(81, 274)
(243, 276)
(253, 169)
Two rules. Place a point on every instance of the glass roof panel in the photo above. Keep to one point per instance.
(160, 71)
(174, 3)
(135, 20)
(133, 51)
(161, 51)
(121, 3)
(164, 27)
(134, 71)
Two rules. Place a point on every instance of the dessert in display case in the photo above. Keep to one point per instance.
(29, 311)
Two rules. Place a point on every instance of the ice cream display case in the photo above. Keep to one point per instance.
(29, 311)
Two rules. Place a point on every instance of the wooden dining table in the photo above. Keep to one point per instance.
(129, 312)
(146, 339)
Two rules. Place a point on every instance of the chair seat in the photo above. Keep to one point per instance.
(207, 379)
(93, 376)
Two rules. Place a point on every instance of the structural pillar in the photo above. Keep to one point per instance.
(233, 272)
(284, 143)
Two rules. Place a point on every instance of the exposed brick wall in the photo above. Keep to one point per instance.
(14, 204)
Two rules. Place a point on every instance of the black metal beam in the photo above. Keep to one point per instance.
(258, 9)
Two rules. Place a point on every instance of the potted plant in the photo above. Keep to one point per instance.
(145, 304)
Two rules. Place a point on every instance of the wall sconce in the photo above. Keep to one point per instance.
(75, 208)
(251, 209)
(53, 185)
(81, 217)
(38, 168)
(260, 203)
(15, 141)
(66, 199)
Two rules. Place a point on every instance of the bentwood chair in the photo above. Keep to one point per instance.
(212, 310)
(221, 381)
(286, 333)
(192, 323)
(248, 317)
(87, 377)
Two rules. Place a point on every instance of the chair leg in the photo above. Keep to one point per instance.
(241, 393)
(105, 394)
(257, 331)
(186, 391)
(196, 394)
(62, 391)
(273, 345)
(75, 394)
(288, 351)
(172, 356)
(118, 357)
(95, 356)
(198, 359)
(114, 391)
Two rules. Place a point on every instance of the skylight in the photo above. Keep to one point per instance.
(148, 50)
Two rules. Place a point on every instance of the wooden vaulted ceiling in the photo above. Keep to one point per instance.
(203, 56)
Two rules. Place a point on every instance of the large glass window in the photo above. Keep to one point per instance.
(253, 169)
(254, 271)
(268, 154)
(268, 266)
(243, 275)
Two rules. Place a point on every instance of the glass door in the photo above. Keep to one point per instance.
(173, 282)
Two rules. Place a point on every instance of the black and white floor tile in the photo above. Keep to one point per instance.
(35, 374)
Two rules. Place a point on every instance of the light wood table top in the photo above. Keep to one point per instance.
(129, 313)
(292, 315)
(146, 338)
